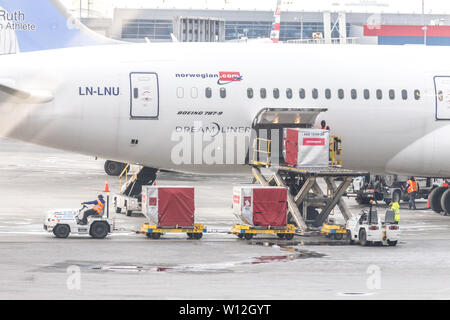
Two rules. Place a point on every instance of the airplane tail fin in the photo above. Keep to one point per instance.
(33, 25)
(275, 33)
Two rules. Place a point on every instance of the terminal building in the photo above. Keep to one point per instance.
(363, 22)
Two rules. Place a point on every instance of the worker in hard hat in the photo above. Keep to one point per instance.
(396, 208)
(99, 206)
(413, 188)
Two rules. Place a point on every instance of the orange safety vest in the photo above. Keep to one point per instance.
(99, 207)
(412, 186)
(445, 184)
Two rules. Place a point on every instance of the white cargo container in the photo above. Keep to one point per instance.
(306, 147)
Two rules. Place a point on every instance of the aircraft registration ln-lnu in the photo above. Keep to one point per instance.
(175, 105)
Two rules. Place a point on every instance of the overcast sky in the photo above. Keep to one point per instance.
(375, 6)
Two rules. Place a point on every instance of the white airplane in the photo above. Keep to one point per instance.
(139, 103)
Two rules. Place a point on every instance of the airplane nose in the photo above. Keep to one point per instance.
(427, 156)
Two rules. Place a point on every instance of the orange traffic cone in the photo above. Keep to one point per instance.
(428, 203)
(106, 186)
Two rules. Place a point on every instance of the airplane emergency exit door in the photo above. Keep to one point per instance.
(144, 95)
(442, 87)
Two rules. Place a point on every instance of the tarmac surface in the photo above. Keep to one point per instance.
(35, 265)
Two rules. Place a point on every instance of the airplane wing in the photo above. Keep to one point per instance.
(9, 90)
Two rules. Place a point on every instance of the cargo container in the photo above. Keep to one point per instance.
(261, 206)
(306, 147)
(170, 207)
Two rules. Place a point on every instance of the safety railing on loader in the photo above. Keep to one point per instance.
(335, 151)
(260, 152)
(129, 175)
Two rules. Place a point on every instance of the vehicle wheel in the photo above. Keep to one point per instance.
(338, 236)
(61, 231)
(129, 213)
(248, 236)
(99, 230)
(113, 168)
(240, 235)
(363, 237)
(189, 235)
(280, 235)
(435, 199)
(445, 202)
(198, 236)
(289, 236)
(348, 237)
(155, 235)
(118, 210)
(392, 243)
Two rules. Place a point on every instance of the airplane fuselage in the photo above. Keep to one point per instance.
(132, 103)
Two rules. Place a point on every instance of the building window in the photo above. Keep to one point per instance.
(392, 94)
(341, 94)
(328, 93)
(250, 93)
(289, 93)
(302, 93)
(354, 94)
(417, 94)
(223, 93)
(208, 92)
(366, 94)
(276, 93)
(379, 94)
(404, 94)
(315, 93)
(194, 93)
(263, 93)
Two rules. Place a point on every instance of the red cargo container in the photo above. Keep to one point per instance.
(261, 206)
(169, 206)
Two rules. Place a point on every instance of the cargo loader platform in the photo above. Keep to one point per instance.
(295, 155)
(155, 232)
(247, 232)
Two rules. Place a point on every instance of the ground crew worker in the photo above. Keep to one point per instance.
(99, 205)
(412, 188)
(324, 126)
(396, 208)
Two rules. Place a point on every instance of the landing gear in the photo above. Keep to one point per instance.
(445, 202)
(435, 199)
(113, 168)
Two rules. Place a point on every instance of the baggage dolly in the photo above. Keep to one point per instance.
(247, 232)
(155, 232)
(336, 232)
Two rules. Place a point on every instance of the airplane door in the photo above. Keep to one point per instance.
(144, 95)
(442, 87)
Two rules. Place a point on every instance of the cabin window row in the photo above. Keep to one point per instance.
(366, 93)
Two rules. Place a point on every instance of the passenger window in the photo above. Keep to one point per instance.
(194, 93)
(136, 93)
(263, 93)
(180, 92)
(289, 93)
(392, 94)
(250, 93)
(417, 94)
(366, 94)
(379, 94)
(404, 94)
(354, 94)
(208, 92)
(341, 94)
(302, 93)
(276, 93)
(328, 93)
(223, 93)
(315, 93)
